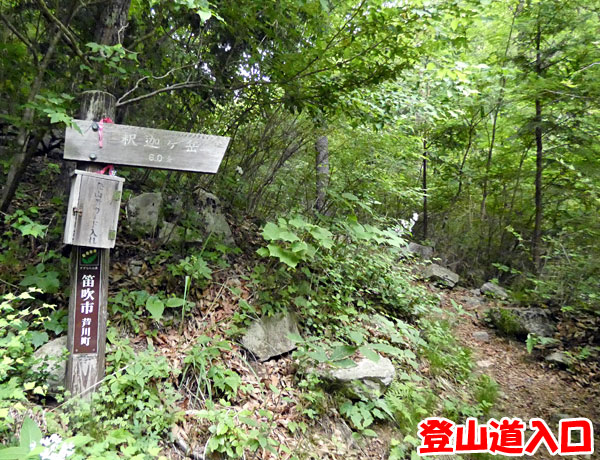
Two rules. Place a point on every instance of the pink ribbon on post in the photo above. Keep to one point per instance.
(110, 168)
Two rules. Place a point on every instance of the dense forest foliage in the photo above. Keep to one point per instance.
(479, 118)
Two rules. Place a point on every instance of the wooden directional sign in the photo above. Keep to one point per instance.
(146, 147)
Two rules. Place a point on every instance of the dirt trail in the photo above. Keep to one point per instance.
(529, 387)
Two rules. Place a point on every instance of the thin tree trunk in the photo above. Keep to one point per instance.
(499, 104)
(425, 215)
(539, 157)
(25, 151)
(488, 163)
(322, 169)
(463, 162)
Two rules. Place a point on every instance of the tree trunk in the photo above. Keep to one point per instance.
(536, 242)
(488, 163)
(113, 21)
(322, 169)
(425, 216)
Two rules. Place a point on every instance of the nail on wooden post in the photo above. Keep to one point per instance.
(85, 366)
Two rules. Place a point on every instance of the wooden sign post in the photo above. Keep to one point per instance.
(93, 212)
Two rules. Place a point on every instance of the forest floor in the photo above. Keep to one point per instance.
(529, 387)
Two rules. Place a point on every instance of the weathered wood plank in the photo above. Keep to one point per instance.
(93, 210)
(145, 147)
(85, 366)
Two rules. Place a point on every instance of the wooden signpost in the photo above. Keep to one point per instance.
(145, 147)
(93, 211)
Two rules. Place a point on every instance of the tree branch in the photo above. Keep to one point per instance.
(67, 35)
(20, 36)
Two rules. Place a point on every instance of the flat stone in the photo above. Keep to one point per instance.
(143, 211)
(367, 379)
(268, 336)
(53, 361)
(135, 267)
(440, 275)
(559, 358)
(493, 290)
(484, 363)
(481, 336)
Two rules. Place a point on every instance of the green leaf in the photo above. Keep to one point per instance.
(285, 256)
(356, 336)
(271, 231)
(14, 453)
(156, 307)
(369, 353)
(174, 302)
(323, 236)
(296, 338)
(342, 352)
(79, 440)
(30, 433)
(318, 355)
(205, 15)
(38, 338)
(345, 363)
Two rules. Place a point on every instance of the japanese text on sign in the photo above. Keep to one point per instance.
(440, 436)
(88, 293)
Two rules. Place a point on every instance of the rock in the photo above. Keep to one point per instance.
(484, 363)
(135, 267)
(537, 321)
(52, 356)
(481, 336)
(171, 233)
(493, 290)
(440, 275)
(475, 292)
(424, 252)
(268, 336)
(143, 211)
(213, 219)
(521, 322)
(471, 302)
(559, 358)
(367, 379)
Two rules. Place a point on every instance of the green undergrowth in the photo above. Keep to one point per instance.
(354, 297)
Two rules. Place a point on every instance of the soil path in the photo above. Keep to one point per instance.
(529, 387)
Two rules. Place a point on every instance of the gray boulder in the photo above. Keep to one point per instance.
(268, 336)
(481, 336)
(521, 322)
(493, 290)
(52, 360)
(143, 211)
(212, 217)
(440, 275)
(368, 379)
(537, 321)
(424, 252)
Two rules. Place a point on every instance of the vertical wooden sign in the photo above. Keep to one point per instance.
(87, 305)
